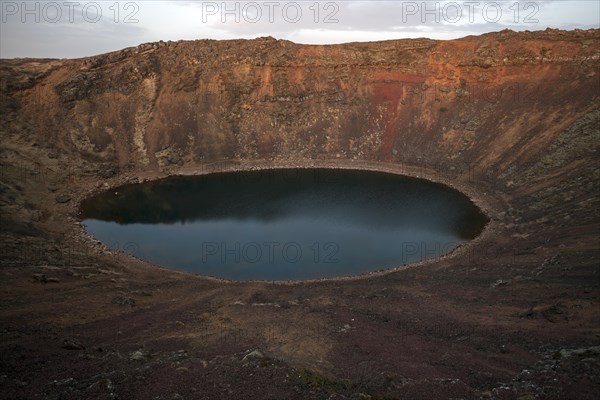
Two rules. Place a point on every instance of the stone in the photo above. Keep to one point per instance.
(123, 301)
(138, 355)
(253, 355)
(63, 198)
(72, 344)
(498, 283)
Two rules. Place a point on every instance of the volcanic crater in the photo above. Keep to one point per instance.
(509, 119)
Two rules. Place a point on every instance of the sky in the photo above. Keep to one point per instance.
(79, 28)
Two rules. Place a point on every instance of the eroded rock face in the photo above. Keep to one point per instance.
(489, 101)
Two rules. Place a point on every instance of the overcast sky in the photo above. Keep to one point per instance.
(77, 28)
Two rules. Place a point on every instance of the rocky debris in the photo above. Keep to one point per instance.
(64, 382)
(587, 352)
(72, 344)
(361, 396)
(138, 355)
(108, 171)
(253, 355)
(498, 283)
(108, 272)
(44, 279)
(123, 301)
(553, 313)
(276, 305)
(375, 294)
(40, 278)
(546, 378)
(20, 383)
(552, 261)
(77, 87)
(174, 159)
(145, 293)
(179, 324)
(63, 198)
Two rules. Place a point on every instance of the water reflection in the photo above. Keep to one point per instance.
(284, 224)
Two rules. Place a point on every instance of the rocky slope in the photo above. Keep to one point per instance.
(512, 119)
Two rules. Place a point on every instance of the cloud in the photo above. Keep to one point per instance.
(95, 27)
(74, 31)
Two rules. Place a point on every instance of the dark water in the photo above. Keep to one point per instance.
(283, 224)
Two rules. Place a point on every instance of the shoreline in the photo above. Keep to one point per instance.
(401, 170)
